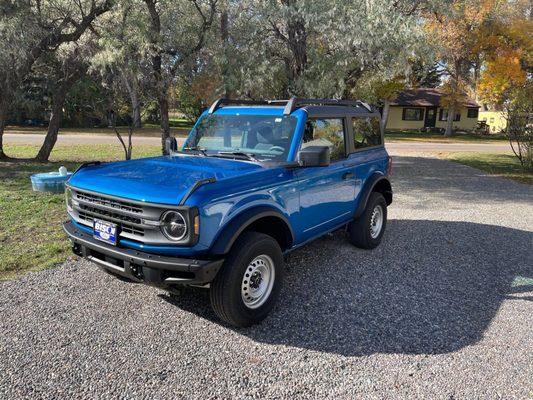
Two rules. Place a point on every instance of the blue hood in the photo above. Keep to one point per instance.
(158, 180)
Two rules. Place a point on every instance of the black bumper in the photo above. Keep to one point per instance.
(139, 266)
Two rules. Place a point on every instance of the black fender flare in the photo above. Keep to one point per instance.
(377, 178)
(239, 223)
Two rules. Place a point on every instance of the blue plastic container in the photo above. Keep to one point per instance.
(52, 182)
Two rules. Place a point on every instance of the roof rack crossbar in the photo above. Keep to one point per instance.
(291, 104)
(222, 101)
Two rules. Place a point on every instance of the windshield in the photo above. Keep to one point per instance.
(260, 137)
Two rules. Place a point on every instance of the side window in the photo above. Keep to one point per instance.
(366, 132)
(413, 114)
(444, 115)
(326, 132)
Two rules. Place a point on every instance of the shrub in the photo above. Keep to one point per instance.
(520, 125)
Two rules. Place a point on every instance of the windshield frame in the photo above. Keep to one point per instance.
(245, 153)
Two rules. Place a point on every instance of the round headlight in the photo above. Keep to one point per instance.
(68, 197)
(173, 225)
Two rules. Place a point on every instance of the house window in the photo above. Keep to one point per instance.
(492, 120)
(326, 132)
(413, 114)
(444, 115)
(473, 113)
(366, 132)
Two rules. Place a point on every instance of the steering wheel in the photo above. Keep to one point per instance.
(277, 148)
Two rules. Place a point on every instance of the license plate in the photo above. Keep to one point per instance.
(105, 231)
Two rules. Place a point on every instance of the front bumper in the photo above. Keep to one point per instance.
(139, 266)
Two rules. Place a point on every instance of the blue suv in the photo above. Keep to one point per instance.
(253, 181)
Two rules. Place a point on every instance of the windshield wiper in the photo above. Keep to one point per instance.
(240, 154)
(196, 148)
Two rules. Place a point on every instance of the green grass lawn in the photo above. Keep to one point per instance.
(437, 137)
(31, 237)
(178, 128)
(505, 165)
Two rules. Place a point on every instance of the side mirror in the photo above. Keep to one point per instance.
(314, 156)
(171, 145)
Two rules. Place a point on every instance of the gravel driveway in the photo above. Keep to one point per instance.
(443, 309)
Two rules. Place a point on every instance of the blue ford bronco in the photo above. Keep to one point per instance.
(253, 181)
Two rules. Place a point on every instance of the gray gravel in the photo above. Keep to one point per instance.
(443, 309)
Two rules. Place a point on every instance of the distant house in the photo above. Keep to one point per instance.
(496, 120)
(421, 108)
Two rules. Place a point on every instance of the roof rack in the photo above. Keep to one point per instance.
(290, 105)
(296, 102)
(223, 102)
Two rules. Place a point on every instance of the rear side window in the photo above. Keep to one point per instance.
(326, 132)
(366, 132)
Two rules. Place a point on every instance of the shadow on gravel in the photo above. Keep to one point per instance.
(431, 287)
(450, 180)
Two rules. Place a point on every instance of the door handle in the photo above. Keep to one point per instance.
(347, 175)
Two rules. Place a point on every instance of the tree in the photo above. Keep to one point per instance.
(121, 58)
(171, 44)
(519, 112)
(31, 30)
(424, 74)
(454, 32)
(299, 49)
(506, 46)
(387, 92)
(67, 68)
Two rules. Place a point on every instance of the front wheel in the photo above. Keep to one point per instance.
(367, 230)
(248, 284)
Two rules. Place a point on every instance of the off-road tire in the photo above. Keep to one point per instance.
(225, 292)
(360, 228)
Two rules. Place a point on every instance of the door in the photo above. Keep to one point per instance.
(431, 117)
(327, 194)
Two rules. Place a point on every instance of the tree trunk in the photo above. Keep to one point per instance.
(165, 124)
(162, 100)
(385, 116)
(133, 91)
(296, 42)
(160, 86)
(53, 127)
(298, 47)
(136, 106)
(3, 117)
(449, 121)
(58, 101)
(224, 37)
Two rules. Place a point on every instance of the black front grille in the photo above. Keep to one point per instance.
(109, 214)
(109, 203)
(124, 227)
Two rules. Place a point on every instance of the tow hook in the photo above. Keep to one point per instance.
(136, 271)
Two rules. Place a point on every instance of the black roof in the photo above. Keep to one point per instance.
(316, 106)
(426, 97)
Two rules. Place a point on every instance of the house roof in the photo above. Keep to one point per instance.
(425, 97)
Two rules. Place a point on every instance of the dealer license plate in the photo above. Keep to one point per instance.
(105, 231)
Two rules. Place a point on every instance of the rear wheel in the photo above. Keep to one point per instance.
(248, 284)
(367, 230)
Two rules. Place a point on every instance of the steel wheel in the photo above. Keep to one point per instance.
(376, 221)
(258, 281)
